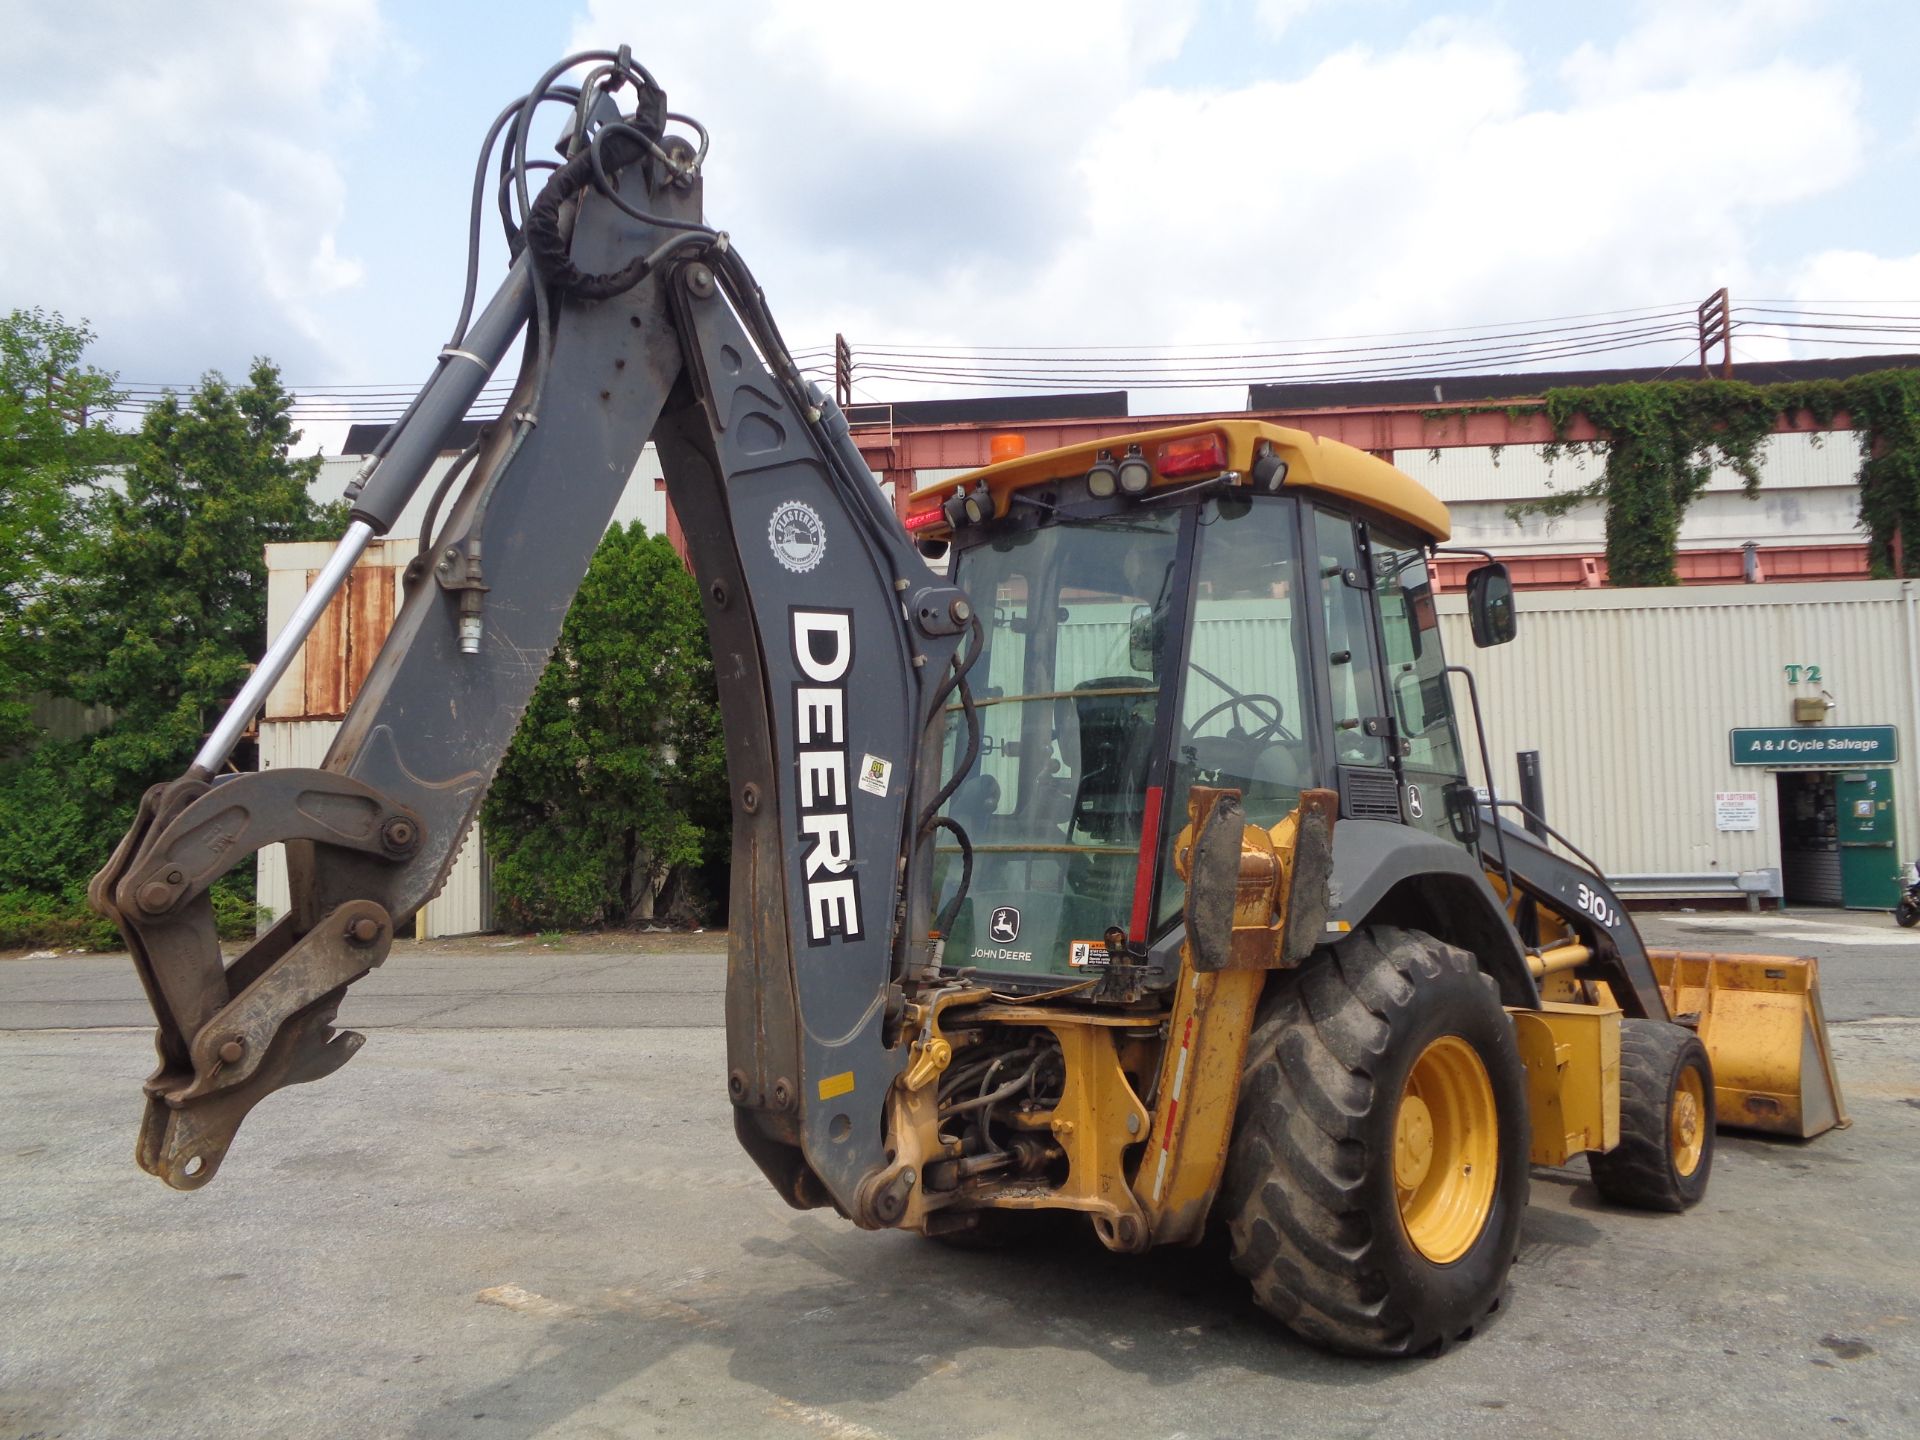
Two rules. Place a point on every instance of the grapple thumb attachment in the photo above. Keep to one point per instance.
(1761, 1020)
(229, 1035)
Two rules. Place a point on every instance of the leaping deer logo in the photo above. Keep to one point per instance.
(1005, 924)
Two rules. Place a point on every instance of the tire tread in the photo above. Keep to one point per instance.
(1639, 1171)
(1294, 1194)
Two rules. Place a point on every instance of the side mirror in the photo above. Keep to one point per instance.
(1490, 605)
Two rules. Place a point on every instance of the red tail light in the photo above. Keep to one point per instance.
(1191, 455)
(923, 519)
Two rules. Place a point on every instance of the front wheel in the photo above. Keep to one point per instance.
(1665, 1152)
(1907, 912)
(1378, 1170)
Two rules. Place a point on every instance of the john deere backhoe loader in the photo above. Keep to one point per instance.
(1127, 868)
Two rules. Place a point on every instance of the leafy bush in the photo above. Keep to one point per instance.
(31, 921)
(613, 792)
(146, 597)
(63, 922)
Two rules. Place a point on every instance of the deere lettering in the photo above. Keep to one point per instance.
(823, 653)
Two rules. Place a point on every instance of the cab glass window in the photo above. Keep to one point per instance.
(1242, 704)
(1416, 676)
(1080, 643)
(1353, 679)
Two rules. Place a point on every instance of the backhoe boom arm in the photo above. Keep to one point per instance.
(644, 324)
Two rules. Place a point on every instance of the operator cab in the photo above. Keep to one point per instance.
(1230, 604)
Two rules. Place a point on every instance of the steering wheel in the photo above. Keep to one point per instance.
(1270, 728)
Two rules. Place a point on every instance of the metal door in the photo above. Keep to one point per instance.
(1868, 845)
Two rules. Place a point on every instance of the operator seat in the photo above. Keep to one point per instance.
(1116, 752)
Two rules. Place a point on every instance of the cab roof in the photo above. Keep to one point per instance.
(1313, 464)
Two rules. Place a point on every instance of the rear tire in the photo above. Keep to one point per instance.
(1665, 1152)
(1377, 1077)
(1907, 912)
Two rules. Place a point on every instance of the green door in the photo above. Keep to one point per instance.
(1868, 849)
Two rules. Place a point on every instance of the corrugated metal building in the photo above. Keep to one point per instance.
(1809, 496)
(304, 711)
(305, 708)
(1631, 697)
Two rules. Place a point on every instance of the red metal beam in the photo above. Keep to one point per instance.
(1382, 429)
(1726, 566)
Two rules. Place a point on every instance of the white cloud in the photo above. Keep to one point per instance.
(173, 175)
(1854, 277)
(1674, 40)
(911, 177)
(1001, 173)
(1276, 17)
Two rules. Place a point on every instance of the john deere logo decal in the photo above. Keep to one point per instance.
(1004, 926)
(798, 538)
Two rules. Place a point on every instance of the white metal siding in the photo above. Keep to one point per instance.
(1809, 495)
(1521, 472)
(1629, 695)
(1718, 520)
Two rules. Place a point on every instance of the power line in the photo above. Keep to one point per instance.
(1323, 339)
(1481, 354)
(1404, 354)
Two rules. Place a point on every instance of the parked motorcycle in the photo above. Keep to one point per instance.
(1907, 910)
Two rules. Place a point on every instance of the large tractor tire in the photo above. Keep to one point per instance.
(1666, 1120)
(1379, 1164)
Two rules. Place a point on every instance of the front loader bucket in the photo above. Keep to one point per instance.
(1761, 1021)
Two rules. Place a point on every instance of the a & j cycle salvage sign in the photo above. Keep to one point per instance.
(1826, 745)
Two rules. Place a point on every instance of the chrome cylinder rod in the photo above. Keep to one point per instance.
(286, 645)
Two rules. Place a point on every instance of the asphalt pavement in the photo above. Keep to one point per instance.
(520, 1211)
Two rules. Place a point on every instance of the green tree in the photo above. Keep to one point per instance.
(171, 612)
(159, 612)
(614, 788)
(53, 443)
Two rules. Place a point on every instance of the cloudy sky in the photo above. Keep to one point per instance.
(204, 182)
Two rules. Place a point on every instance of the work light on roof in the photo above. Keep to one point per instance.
(1103, 479)
(1269, 471)
(969, 507)
(1135, 474)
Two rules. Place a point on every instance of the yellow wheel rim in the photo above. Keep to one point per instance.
(1446, 1150)
(1689, 1129)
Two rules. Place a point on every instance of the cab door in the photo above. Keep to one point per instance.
(1416, 682)
(1361, 725)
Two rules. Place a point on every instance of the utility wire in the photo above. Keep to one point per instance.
(1437, 351)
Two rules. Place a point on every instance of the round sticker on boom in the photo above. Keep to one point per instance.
(798, 538)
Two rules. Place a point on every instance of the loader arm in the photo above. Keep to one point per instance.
(642, 322)
(1581, 898)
